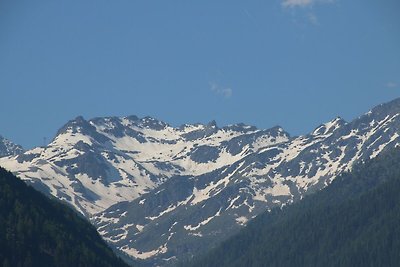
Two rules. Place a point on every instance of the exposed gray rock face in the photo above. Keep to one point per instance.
(161, 193)
(188, 214)
(8, 148)
(93, 164)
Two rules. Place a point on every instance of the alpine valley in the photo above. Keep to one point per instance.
(163, 194)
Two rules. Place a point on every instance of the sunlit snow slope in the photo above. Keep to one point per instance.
(188, 214)
(97, 163)
(161, 193)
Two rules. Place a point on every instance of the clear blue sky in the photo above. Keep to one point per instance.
(294, 63)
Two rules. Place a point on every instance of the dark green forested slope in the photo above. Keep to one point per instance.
(353, 222)
(38, 231)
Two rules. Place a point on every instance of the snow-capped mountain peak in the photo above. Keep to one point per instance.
(95, 163)
(186, 211)
(8, 148)
(161, 193)
(329, 127)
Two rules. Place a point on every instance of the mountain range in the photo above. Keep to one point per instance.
(163, 194)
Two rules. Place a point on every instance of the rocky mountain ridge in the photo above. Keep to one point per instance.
(8, 148)
(97, 163)
(161, 193)
(188, 214)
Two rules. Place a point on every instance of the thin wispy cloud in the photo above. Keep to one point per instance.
(225, 92)
(313, 18)
(303, 3)
(392, 85)
(296, 3)
(306, 8)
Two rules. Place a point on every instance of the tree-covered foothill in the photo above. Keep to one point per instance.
(38, 231)
(355, 221)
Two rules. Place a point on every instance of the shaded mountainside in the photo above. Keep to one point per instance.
(353, 222)
(37, 231)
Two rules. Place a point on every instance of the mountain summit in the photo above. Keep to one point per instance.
(8, 148)
(100, 162)
(162, 194)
